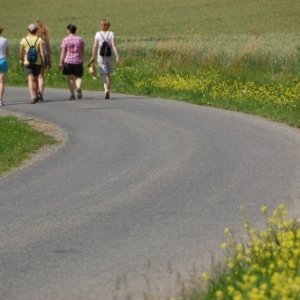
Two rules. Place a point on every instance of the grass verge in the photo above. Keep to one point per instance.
(18, 142)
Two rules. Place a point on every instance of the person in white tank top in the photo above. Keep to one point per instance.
(105, 63)
(3, 64)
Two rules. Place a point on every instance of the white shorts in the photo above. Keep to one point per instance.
(106, 64)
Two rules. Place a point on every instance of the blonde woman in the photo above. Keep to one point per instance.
(3, 64)
(44, 33)
(105, 63)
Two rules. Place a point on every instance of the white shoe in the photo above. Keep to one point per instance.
(1, 103)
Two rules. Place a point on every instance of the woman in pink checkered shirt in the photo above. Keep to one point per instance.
(71, 60)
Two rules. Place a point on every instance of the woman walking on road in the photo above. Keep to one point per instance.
(44, 33)
(105, 62)
(32, 69)
(3, 64)
(71, 60)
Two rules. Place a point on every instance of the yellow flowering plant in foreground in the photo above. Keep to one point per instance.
(266, 267)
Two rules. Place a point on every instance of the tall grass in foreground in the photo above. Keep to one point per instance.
(18, 142)
(265, 267)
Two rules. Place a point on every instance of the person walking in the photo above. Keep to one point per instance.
(105, 62)
(44, 33)
(3, 64)
(71, 60)
(32, 69)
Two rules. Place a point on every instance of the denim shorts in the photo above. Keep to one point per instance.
(3, 65)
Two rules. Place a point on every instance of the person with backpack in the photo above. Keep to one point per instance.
(3, 64)
(105, 48)
(71, 60)
(32, 58)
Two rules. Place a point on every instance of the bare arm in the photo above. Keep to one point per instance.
(62, 57)
(114, 45)
(47, 44)
(94, 51)
(22, 55)
(42, 52)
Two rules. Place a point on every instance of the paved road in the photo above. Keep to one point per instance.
(140, 192)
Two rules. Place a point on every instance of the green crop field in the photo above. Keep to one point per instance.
(155, 18)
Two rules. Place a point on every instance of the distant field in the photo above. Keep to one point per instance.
(155, 18)
(222, 29)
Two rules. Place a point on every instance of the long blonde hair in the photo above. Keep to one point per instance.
(43, 30)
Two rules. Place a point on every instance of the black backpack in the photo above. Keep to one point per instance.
(32, 53)
(105, 49)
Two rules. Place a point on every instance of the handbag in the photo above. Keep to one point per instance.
(92, 69)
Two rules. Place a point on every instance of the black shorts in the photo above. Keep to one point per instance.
(32, 69)
(72, 69)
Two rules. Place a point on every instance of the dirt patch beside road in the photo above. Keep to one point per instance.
(48, 128)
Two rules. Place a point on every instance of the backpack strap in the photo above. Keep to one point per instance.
(27, 42)
(105, 38)
(34, 42)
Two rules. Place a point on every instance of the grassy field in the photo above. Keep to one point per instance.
(141, 18)
(239, 55)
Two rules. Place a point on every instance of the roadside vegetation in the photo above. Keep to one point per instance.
(18, 142)
(264, 267)
(244, 56)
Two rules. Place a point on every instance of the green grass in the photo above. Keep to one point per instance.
(237, 55)
(18, 142)
(142, 18)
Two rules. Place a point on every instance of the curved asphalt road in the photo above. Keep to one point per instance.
(140, 192)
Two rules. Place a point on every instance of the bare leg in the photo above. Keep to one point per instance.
(71, 84)
(42, 81)
(106, 84)
(2, 83)
(31, 86)
(78, 82)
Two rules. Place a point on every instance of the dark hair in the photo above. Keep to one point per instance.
(72, 28)
(1, 29)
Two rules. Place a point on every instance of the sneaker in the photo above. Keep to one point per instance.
(72, 97)
(1, 103)
(106, 95)
(33, 101)
(40, 97)
(79, 94)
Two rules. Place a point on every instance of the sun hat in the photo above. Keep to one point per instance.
(92, 70)
(32, 27)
